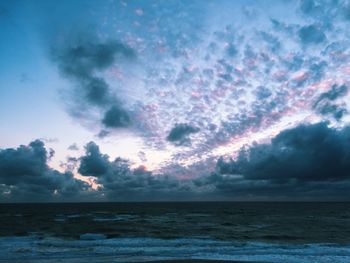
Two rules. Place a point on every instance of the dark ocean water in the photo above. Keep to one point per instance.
(126, 232)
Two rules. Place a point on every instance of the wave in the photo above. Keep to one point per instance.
(100, 249)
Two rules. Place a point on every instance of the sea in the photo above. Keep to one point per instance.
(141, 232)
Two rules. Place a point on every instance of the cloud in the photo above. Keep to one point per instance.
(262, 92)
(120, 182)
(346, 10)
(49, 140)
(116, 117)
(102, 134)
(317, 70)
(294, 164)
(240, 77)
(142, 156)
(308, 162)
(336, 111)
(326, 103)
(25, 176)
(334, 93)
(325, 11)
(97, 91)
(310, 7)
(180, 132)
(230, 187)
(73, 147)
(70, 164)
(83, 59)
(311, 34)
(273, 42)
(312, 152)
(93, 163)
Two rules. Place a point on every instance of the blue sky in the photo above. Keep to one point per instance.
(170, 86)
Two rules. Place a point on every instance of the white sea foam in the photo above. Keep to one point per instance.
(49, 249)
(107, 218)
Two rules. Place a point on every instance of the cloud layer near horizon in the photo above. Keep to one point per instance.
(26, 176)
(308, 162)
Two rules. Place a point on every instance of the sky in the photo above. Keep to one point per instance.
(174, 100)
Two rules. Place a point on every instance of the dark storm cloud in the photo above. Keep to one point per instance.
(326, 103)
(311, 34)
(309, 161)
(180, 132)
(26, 160)
(84, 56)
(305, 153)
(116, 117)
(25, 176)
(303, 163)
(230, 187)
(120, 182)
(82, 60)
(97, 92)
(93, 163)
